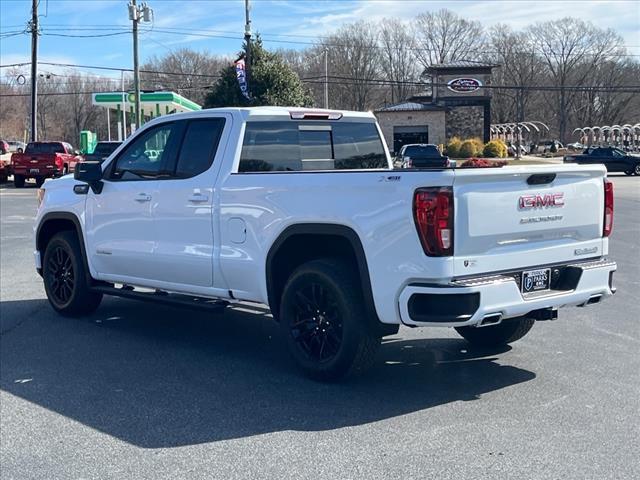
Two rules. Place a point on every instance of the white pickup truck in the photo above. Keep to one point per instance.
(300, 210)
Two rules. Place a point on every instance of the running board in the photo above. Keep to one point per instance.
(165, 298)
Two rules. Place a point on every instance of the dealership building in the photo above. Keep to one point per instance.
(459, 105)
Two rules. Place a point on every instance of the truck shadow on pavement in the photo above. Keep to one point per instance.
(161, 377)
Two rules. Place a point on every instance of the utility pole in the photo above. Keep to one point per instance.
(136, 15)
(247, 39)
(326, 78)
(33, 28)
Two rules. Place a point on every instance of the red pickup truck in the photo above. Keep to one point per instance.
(42, 160)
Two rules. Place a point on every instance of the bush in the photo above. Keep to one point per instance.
(471, 148)
(495, 149)
(453, 147)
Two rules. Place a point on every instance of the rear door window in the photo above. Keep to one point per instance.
(199, 147)
(278, 146)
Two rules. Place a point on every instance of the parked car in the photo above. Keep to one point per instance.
(421, 155)
(614, 159)
(16, 146)
(102, 151)
(42, 160)
(577, 146)
(301, 210)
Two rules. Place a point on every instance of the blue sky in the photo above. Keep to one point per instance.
(290, 24)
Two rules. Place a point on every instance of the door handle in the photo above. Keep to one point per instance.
(143, 197)
(198, 198)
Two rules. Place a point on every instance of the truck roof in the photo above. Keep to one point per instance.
(273, 113)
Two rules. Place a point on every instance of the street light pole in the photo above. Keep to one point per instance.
(247, 39)
(326, 78)
(136, 15)
(33, 26)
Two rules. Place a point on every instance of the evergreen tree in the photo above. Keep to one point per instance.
(271, 82)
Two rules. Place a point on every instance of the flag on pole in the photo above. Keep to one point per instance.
(241, 74)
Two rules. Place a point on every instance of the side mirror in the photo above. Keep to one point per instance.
(90, 173)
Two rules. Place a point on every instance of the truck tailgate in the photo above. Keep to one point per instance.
(503, 221)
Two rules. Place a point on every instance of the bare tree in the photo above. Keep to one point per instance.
(443, 37)
(184, 71)
(397, 57)
(520, 70)
(354, 65)
(572, 50)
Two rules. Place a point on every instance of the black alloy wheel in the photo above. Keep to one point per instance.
(317, 328)
(60, 276)
(67, 281)
(325, 323)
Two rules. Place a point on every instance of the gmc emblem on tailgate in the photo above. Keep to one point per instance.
(540, 201)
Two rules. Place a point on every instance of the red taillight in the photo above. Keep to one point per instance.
(608, 208)
(433, 215)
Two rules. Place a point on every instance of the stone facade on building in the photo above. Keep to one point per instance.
(465, 122)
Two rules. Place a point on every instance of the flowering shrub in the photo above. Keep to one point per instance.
(482, 163)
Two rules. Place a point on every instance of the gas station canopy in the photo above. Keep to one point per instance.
(152, 104)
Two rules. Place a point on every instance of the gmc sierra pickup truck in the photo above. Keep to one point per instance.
(300, 210)
(42, 160)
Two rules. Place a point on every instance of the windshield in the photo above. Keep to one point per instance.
(418, 151)
(44, 147)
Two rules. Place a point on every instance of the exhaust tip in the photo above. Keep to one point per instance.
(490, 319)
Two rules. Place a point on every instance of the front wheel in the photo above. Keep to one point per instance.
(323, 320)
(66, 281)
(502, 334)
(636, 170)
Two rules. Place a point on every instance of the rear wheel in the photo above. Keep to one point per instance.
(18, 181)
(507, 331)
(66, 281)
(323, 319)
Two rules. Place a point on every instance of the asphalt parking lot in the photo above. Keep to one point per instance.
(144, 391)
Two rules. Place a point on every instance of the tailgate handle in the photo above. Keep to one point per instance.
(541, 178)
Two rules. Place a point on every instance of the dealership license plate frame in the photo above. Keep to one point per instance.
(539, 282)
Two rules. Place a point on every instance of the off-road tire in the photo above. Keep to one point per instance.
(18, 181)
(66, 281)
(506, 332)
(335, 289)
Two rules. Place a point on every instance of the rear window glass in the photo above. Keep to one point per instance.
(422, 151)
(45, 148)
(296, 146)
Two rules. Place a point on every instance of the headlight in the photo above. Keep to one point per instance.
(40, 196)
